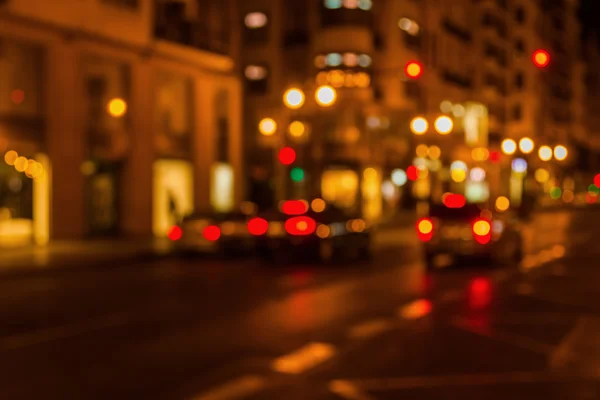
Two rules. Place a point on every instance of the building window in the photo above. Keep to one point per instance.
(520, 15)
(519, 80)
(222, 115)
(257, 79)
(256, 26)
(520, 46)
(517, 112)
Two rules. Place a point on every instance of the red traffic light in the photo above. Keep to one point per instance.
(413, 69)
(412, 173)
(597, 180)
(541, 58)
(287, 156)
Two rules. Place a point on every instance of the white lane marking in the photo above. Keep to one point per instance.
(415, 310)
(509, 338)
(468, 380)
(236, 389)
(347, 390)
(303, 359)
(63, 332)
(369, 329)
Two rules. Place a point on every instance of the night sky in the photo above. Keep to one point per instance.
(590, 14)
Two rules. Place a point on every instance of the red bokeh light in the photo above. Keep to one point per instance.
(541, 58)
(300, 226)
(175, 233)
(591, 198)
(597, 180)
(412, 173)
(294, 207)
(287, 156)
(480, 293)
(17, 96)
(413, 69)
(258, 226)
(455, 201)
(212, 233)
(494, 156)
(425, 229)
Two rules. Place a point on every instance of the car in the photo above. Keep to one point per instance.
(469, 231)
(298, 233)
(214, 233)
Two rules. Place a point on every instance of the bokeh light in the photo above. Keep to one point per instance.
(541, 58)
(458, 165)
(399, 177)
(422, 150)
(444, 125)
(293, 98)
(480, 154)
(519, 165)
(325, 96)
(597, 180)
(297, 174)
(458, 175)
(412, 173)
(287, 156)
(435, 152)
(117, 107)
(560, 153)
(318, 205)
(21, 164)
(267, 126)
(593, 189)
(419, 126)
(555, 193)
(545, 153)
(297, 129)
(502, 204)
(10, 157)
(509, 146)
(477, 174)
(413, 69)
(526, 145)
(542, 175)
(568, 196)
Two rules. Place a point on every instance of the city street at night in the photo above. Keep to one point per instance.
(207, 329)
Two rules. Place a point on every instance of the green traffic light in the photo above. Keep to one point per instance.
(297, 174)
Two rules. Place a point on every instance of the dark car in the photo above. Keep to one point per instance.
(210, 232)
(470, 231)
(328, 236)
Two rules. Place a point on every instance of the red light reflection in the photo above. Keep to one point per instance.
(212, 233)
(175, 233)
(258, 226)
(480, 293)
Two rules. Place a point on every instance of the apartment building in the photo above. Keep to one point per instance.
(128, 110)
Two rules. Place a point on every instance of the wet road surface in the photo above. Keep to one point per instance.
(205, 329)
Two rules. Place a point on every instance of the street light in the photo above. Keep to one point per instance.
(545, 153)
(419, 126)
(560, 152)
(297, 129)
(541, 58)
(293, 98)
(267, 126)
(526, 145)
(325, 96)
(116, 108)
(509, 146)
(443, 125)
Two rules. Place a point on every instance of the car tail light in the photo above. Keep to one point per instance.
(258, 226)
(175, 233)
(212, 233)
(294, 207)
(425, 229)
(300, 226)
(482, 231)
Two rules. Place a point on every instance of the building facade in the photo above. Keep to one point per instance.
(477, 68)
(117, 117)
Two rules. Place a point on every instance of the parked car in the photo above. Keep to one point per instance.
(299, 233)
(217, 233)
(469, 231)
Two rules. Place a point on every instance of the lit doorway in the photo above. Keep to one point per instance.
(173, 194)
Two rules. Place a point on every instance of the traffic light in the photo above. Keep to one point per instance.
(287, 156)
(413, 69)
(541, 58)
(297, 174)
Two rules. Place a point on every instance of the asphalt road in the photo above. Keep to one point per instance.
(204, 329)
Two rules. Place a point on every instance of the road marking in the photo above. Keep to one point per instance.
(63, 332)
(467, 380)
(347, 390)
(369, 329)
(303, 359)
(415, 310)
(236, 389)
(509, 338)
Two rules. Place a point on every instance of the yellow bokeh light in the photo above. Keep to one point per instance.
(458, 175)
(425, 227)
(21, 164)
(10, 157)
(481, 228)
(323, 231)
(117, 107)
(480, 154)
(325, 96)
(362, 79)
(568, 196)
(435, 152)
(545, 153)
(297, 129)
(370, 174)
(302, 225)
(419, 126)
(502, 204)
(322, 78)
(293, 98)
(318, 205)
(336, 78)
(542, 175)
(509, 146)
(422, 150)
(526, 145)
(444, 125)
(267, 126)
(560, 152)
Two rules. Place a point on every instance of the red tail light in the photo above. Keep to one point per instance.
(425, 229)
(212, 233)
(294, 207)
(300, 226)
(258, 226)
(455, 201)
(175, 233)
(482, 231)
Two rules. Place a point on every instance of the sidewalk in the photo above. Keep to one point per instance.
(80, 253)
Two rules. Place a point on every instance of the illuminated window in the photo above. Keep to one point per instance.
(333, 4)
(350, 59)
(364, 60)
(334, 59)
(255, 72)
(255, 20)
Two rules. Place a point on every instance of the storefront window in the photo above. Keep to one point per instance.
(173, 115)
